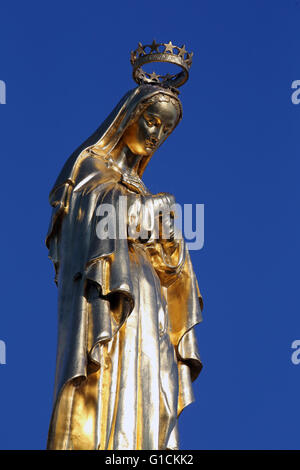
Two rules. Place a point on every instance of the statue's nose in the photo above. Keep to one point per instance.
(160, 132)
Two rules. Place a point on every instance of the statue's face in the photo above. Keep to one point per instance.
(145, 135)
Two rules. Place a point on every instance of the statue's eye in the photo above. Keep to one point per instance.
(151, 121)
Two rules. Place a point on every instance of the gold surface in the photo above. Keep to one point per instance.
(127, 350)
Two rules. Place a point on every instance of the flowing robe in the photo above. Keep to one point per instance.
(127, 351)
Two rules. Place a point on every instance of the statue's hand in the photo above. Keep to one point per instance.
(151, 219)
(134, 183)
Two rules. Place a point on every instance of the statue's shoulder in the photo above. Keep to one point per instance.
(93, 171)
(89, 165)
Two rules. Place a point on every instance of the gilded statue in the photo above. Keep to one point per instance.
(127, 304)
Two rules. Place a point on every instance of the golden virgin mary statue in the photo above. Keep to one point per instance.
(127, 303)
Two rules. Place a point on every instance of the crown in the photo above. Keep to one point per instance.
(160, 52)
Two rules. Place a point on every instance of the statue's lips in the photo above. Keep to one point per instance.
(150, 144)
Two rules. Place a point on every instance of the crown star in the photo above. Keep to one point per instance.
(154, 46)
(189, 59)
(141, 75)
(132, 57)
(182, 51)
(140, 49)
(153, 76)
(169, 47)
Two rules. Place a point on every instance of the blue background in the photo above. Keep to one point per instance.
(66, 65)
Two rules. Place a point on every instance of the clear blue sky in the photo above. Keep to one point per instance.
(66, 64)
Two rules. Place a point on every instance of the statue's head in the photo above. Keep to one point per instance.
(154, 121)
(142, 121)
